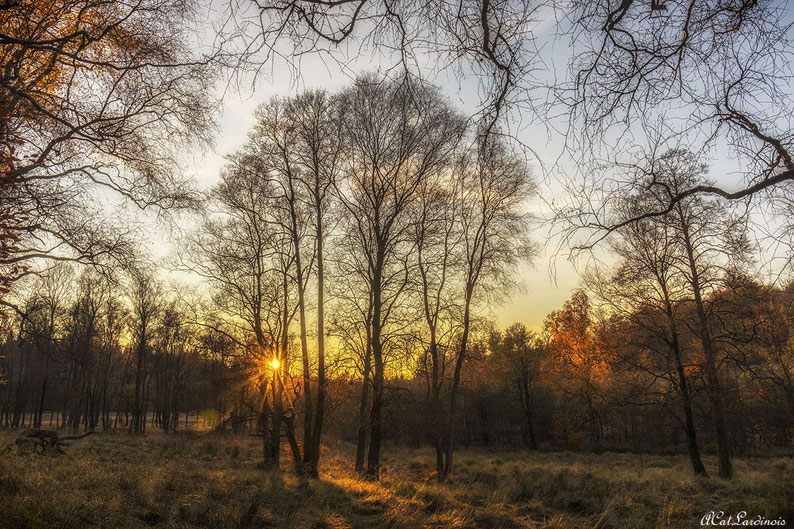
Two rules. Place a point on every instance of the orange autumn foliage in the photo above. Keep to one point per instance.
(54, 53)
(572, 338)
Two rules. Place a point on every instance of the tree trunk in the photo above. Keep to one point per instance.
(319, 413)
(361, 446)
(453, 397)
(308, 415)
(289, 423)
(267, 440)
(710, 354)
(435, 406)
(689, 421)
(40, 412)
(530, 420)
(376, 418)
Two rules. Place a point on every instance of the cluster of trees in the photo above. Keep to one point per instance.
(384, 187)
(594, 378)
(683, 303)
(673, 346)
(597, 380)
(356, 236)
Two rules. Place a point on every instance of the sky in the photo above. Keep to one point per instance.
(543, 285)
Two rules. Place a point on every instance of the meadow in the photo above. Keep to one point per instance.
(188, 480)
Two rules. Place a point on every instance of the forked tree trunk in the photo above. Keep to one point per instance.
(686, 397)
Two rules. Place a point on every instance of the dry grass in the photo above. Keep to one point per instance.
(182, 482)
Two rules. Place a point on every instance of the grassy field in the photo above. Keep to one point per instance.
(183, 481)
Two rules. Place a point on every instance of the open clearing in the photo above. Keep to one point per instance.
(213, 481)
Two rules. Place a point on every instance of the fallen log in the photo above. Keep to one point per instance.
(46, 439)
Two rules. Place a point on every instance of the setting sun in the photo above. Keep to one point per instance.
(274, 363)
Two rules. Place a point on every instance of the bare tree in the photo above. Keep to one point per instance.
(41, 323)
(245, 257)
(88, 91)
(145, 297)
(727, 65)
(173, 344)
(495, 240)
(352, 326)
(274, 142)
(317, 128)
(648, 291)
(437, 238)
(707, 244)
(397, 134)
(707, 241)
(295, 143)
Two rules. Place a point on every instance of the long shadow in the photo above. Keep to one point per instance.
(337, 505)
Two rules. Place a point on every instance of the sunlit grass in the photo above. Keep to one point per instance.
(211, 481)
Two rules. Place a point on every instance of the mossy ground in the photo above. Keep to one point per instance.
(185, 481)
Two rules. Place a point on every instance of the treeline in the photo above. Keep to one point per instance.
(590, 380)
(373, 221)
(88, 352)
(587, 381)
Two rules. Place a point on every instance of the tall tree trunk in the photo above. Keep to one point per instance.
(453, 395)
(135, 424)
(715, 397)
(376, 411)
(264, 421)
(435, 405)
(712, 376)
(689, 425)
(321, 382)
(431, 319)
(308, 416)
(363, 415)
(683, 387)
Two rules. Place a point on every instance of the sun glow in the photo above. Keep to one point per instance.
(274, 363)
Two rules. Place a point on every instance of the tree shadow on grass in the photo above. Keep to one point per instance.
(287, 501)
